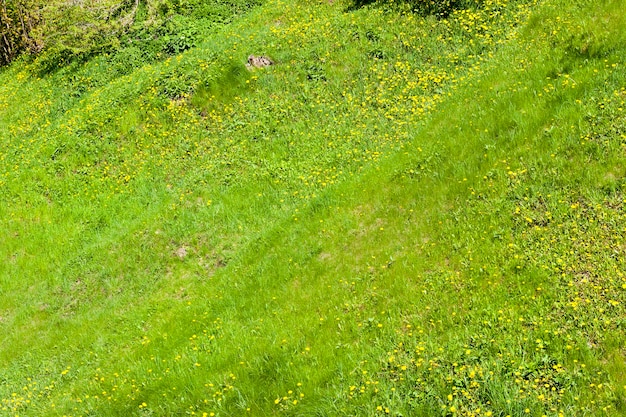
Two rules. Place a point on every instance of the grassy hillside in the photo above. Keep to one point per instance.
(405, 216)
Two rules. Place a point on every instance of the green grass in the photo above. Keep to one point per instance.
(405, 216)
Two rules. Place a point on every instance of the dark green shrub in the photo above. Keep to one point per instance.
(438, 8)
(178, 34)
(127, 60)
(441, 8)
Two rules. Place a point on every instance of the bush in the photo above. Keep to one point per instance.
(62, 31)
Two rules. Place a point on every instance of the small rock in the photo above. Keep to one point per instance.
(181, 252)
(259, 61)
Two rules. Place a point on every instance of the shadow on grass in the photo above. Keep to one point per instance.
(232, 81)
(357, 4)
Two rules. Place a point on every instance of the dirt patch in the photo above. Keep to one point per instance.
(324, 256)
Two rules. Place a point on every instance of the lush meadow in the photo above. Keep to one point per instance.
(405, 216)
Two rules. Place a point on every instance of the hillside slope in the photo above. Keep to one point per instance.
(404, 216)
